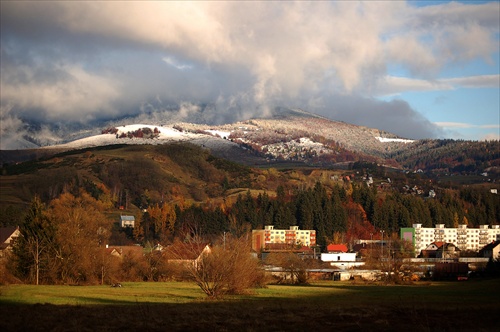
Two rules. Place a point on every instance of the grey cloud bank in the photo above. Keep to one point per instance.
(85, 61)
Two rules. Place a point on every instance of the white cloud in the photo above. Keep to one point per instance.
(480, 81)
(491, 137)
(462, 130)
(93, 59)
(176, 64)
(457, 31)
(466, 125)
(72, 93)
(393, 85)
(454, 124)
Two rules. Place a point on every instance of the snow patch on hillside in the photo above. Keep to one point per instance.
(222, 134)
(300, 149)
(166, 134)
(391, 140)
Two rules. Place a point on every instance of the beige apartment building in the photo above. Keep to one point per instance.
(463, 237)
(270, 237)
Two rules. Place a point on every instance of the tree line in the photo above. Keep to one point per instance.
(64, 240)
(338, 214)
(64, 243)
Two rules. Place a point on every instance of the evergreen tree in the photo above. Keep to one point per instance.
(304, 211)
(339, 214)
(33, 248)
(319, 200)
(367, 197)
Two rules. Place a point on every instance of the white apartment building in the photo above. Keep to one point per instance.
(462, 237)
(262, 238)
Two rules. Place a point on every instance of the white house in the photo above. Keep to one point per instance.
(127, 221)
(341, 259)
(7, 238)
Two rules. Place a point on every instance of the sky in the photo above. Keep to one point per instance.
(419, 69)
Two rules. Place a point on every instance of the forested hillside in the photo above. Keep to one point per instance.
(301, 136)
(452, 156)
(179, 190)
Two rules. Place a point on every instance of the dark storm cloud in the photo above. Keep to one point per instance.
(395, 116)
(82, 61)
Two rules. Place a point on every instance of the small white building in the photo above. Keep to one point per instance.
(127, 221)
(339, 257)
(343, 260)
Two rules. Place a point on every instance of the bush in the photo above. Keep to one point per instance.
(292, 265)
(6, 276)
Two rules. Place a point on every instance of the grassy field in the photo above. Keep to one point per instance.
(454, 306)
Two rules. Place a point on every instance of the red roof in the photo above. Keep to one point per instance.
(336, 248)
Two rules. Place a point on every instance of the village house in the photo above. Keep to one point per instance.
(338, 256)
(127, 221)
(302, 252)
(491, 250)
(115, 252)
(135, 251)
(441, 250)
(336, 248)
(340, 259)
(8, 236)
(187, 254)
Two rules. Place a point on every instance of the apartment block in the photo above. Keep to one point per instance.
(462, 237)
(270, 237)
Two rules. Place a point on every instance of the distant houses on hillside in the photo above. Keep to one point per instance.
(8, 236)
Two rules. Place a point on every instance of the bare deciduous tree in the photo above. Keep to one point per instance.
(292, 264)
(80, 222)
(225, 268)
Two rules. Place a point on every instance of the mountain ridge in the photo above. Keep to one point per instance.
(288, 135)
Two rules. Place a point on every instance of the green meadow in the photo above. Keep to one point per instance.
(181, 306)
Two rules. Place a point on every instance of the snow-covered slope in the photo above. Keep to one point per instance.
(166, 134)
(294, 135)
(215, 141)
(397, 140)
